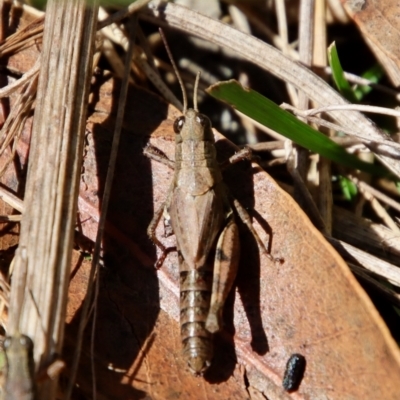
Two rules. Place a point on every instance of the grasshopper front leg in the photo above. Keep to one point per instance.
(155, 154)
(225, 270)
(151, 232)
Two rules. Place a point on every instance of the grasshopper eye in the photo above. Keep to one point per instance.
(7, 342)
(26, 342)
(178, 124)
(203, 121)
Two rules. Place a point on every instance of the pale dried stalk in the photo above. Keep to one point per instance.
(358, 80)
(382, 289)
(11, 199)
(12, 87)
(131, 9)
(301, 155)
(374, 192)
(380, 211)
(23, 38)
(386, 147)
(363, 233)
(359, 107)
(368, 261)
(325, 199)
(283, 30)
(12, 128)
(53, 176)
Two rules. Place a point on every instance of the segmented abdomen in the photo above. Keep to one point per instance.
(195, 288)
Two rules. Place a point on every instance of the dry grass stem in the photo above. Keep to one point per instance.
(381, 268)
(12, 87)
(11, 199)
(364, 274)
(352, 107)
(52, 185)
(118, 16)
(358, 80)
(284, 44)
(24, 38)
(383, 146)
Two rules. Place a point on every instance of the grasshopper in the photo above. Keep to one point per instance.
(199, 209)
(18, 348)
(19, 383)
(20, 377)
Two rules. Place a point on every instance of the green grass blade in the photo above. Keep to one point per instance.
(338, 75)
(266, 112)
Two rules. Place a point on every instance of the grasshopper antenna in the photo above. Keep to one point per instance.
(196, 86)
(176, 71)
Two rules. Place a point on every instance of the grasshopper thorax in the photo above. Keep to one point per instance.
(193, 126)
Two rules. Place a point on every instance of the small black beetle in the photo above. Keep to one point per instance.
(294, 372)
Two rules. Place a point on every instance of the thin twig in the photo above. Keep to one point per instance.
(380, 211)
(358, 80)
(379, 195)
(374, 264)
(285, 47)
(102, 220)
(12, 87)
(11, 199)
(383, 146)
(354, 107)
(118, 16)
(365, 275)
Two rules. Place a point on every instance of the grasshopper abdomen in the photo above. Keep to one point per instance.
(195, 295)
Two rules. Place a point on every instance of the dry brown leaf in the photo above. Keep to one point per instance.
(311, 304)
(379, 21)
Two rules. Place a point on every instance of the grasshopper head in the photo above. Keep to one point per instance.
(18, 343)
(193, 126)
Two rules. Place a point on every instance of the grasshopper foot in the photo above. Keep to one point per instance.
(214, 320)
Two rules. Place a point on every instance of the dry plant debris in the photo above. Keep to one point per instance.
(311, 304)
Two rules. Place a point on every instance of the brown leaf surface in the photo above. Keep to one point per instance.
(311, 304)
(379, 21)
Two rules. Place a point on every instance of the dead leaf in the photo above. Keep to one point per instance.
(311, 304)
(379, 21)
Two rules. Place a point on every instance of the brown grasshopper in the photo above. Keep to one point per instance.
(19, 384)
(199, 209)
(18, 349)
(20, 377)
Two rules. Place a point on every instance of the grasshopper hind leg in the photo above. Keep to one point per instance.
(225, 270)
